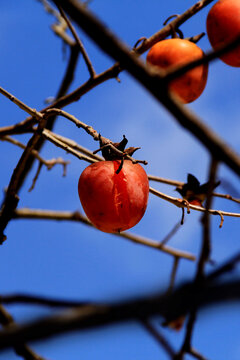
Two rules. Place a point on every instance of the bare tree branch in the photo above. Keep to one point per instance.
(180, 183)
(170, 307)
(76, 216)
(21, 349)
(152, 82)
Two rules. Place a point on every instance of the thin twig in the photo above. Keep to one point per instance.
(78, 41)
(181, 203)
(173, 274)
(74, 145)
(76, 216)
(158, 337)
(48, 136)
(28, 299)
(21, 105)
(203, 259)
(196, 354)
(171, 233)
(180, 183)
(48, 163)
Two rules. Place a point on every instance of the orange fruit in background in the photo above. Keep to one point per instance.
(223, 26)
(114, 202)
(171, 53)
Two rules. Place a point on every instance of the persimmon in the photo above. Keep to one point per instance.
(223, 26)
(114, 201)
(170, 53)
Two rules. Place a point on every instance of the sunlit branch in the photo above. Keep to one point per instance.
(48, 163)
(76, 216)
(182, 203)
(74, 145)
(180, 183)
(79, 43)
(21, 105)
(48, 136)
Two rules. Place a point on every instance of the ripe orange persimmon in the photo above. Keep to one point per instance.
(167, 54)
(114, 202)
(223, 26)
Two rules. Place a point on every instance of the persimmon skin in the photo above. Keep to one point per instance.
(223, 26)
(114, 202)
(167, 54)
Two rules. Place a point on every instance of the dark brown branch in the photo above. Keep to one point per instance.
(167, 30)
(196, 354)
(173, 274)
(208, 57)
(158, 337)
(206, 243)
(39, 300)
(226, 267)
(203, 259)
(79, 43)
(65, 84)
(11, 198)
(152, 82)
(170, 307)
(21, 349)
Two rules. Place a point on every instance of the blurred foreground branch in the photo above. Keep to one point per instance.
(168, 306)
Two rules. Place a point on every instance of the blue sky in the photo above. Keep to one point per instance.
(74, 261)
